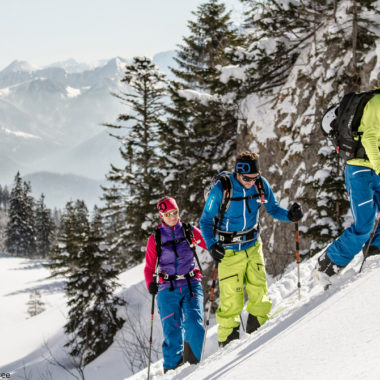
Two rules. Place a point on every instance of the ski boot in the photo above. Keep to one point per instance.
(252, 324)
(234, 335)
(326, 270)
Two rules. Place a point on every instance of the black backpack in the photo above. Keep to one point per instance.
(343, 129)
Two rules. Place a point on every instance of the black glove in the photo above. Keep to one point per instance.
(153, 288)
(295, 213)
(217, 252)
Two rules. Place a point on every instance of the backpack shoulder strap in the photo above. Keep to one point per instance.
(227, 186)
(364, 99)
(261, 190)
(226, 182)
(188, 231)
(189, 236)
(157, 239)
(375, 91)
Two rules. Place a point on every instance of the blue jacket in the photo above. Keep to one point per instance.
(238, 217)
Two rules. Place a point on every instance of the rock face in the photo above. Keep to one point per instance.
(286, 134)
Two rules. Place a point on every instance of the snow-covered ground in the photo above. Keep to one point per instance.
(333, 334)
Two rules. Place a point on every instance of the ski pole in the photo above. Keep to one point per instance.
(211, 298)
(151, 322)
(365, 254)
(298, 260)
(241, 323)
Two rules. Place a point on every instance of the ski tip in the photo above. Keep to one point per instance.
(323, 280)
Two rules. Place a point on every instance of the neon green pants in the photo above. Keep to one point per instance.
(237, 270)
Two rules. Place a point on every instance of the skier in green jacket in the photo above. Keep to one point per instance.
(363, 186)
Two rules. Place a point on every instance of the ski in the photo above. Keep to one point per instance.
(324, 280)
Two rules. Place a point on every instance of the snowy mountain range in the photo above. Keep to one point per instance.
(51, 118)
(331, 334)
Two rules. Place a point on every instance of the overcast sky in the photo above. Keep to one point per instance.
(45, 31)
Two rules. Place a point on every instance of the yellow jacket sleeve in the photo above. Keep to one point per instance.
(370, 126)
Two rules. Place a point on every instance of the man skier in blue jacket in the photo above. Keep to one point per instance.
(232, 238)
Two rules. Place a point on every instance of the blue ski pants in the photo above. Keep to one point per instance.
(363, 186)
(182, 320)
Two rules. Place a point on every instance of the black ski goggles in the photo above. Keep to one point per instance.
(249, 179)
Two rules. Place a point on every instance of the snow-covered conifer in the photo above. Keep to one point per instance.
(199, 136)
(44, 227)
(20, 238)
(35, 304)
(4, 197)
(73, 234)
(137, 186)
(83, 257)
(93, 320)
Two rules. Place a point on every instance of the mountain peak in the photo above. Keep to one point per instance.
(117, 62)
(17, 66)
(71, 66)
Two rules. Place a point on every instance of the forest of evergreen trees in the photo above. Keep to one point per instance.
(176, 134)
(30, 227)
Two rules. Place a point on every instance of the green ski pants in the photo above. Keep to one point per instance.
(239, 269)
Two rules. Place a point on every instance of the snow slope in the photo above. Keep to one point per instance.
(330, 334)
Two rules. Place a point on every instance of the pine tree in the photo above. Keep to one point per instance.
(278, 32)
(72, 237)
(93, 320)
(363, 20)
(137, 186)
(198, 138)
(29, 234)
(43, 227)
(212, 36)
(20, 239)
(35, 304)
(4, 197)
(114, 220)
(329, 208)
(82, 256)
